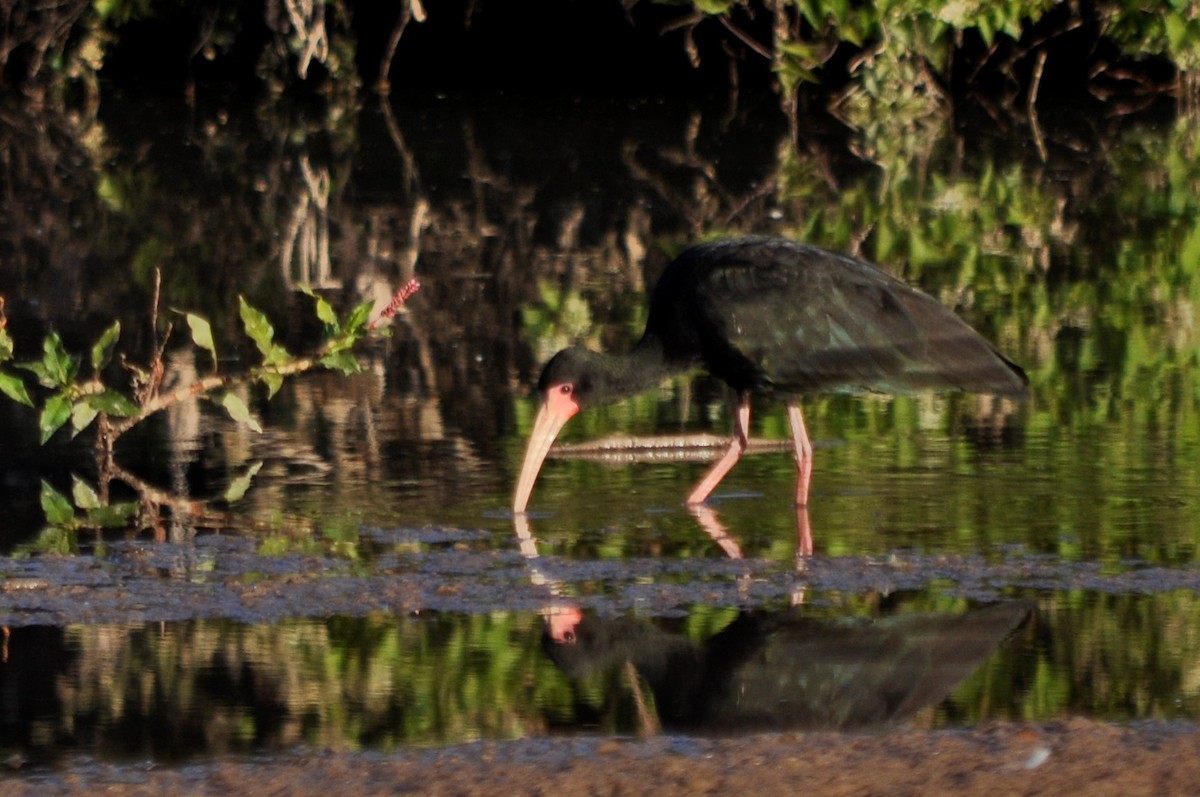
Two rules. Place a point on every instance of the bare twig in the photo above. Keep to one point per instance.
(745, 38)
(1038, 140)
(409, 10)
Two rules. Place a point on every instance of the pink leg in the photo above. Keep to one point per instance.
(804, 453)
(804, 537)
(741, 438)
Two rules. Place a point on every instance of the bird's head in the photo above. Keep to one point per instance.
(567, 383)
(577, 372)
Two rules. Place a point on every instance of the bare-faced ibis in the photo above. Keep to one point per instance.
(778, 318)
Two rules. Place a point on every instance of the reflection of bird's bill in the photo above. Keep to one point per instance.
(561, 616)
(525, 538)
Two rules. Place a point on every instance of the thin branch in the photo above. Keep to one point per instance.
(1038, 140)
(746, 38)
(408, 9)
(209, 383)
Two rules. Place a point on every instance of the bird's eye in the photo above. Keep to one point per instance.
(565, 389)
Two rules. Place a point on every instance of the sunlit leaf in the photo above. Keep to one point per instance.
(259, 328)
(238, 410)
(57, 508)
(12, 386)
(237, 489)
(325, 311)
(60, 366)
(6, 342)
(113, 403)
(358, 317)
(56, 369)
(273, 381)
(83, 495)
(82, 415)
(54, 414)
(113, 515)
(102, 349)
(343, 361)
(202, 335)
(38, 369)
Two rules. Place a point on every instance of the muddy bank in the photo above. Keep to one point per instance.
(1072, 757)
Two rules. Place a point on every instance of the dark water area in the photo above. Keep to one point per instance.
(975, 558)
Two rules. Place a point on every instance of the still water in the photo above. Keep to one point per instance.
(973, 558)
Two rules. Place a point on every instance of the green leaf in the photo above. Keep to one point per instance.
(57, 508)
(12, 386)
(325, 311)
(52, 539)
(6, 343)
(237, 410)
(112, 515)
(83, 495)
(273, 381)
(102, 349)
(54, 414)
(58, 366)
(242, 483)
(113, 403)
(56, 369)
(82, 416)
(358, 317)
(343, 361)
(38, 369)
(259, 328)
(202, 335)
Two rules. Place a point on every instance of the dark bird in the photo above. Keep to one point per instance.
(776, 318)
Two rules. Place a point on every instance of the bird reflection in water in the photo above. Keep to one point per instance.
(780, 670)
(773, 670)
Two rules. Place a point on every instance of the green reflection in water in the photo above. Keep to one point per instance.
(183, 690)
(205, 687)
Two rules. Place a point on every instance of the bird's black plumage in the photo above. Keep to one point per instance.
(775, 316)
(769, 315)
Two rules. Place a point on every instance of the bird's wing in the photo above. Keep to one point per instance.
(799, 319)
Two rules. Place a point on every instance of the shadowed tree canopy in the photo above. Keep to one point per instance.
(1002, 52)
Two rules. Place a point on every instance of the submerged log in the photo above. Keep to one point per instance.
(623, 449)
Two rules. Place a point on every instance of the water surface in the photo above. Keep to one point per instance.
(372, 590)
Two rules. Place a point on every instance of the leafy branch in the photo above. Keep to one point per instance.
(81, 396)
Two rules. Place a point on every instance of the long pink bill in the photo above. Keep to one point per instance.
(557, 408)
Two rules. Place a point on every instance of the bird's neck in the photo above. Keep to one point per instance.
(622, 375)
